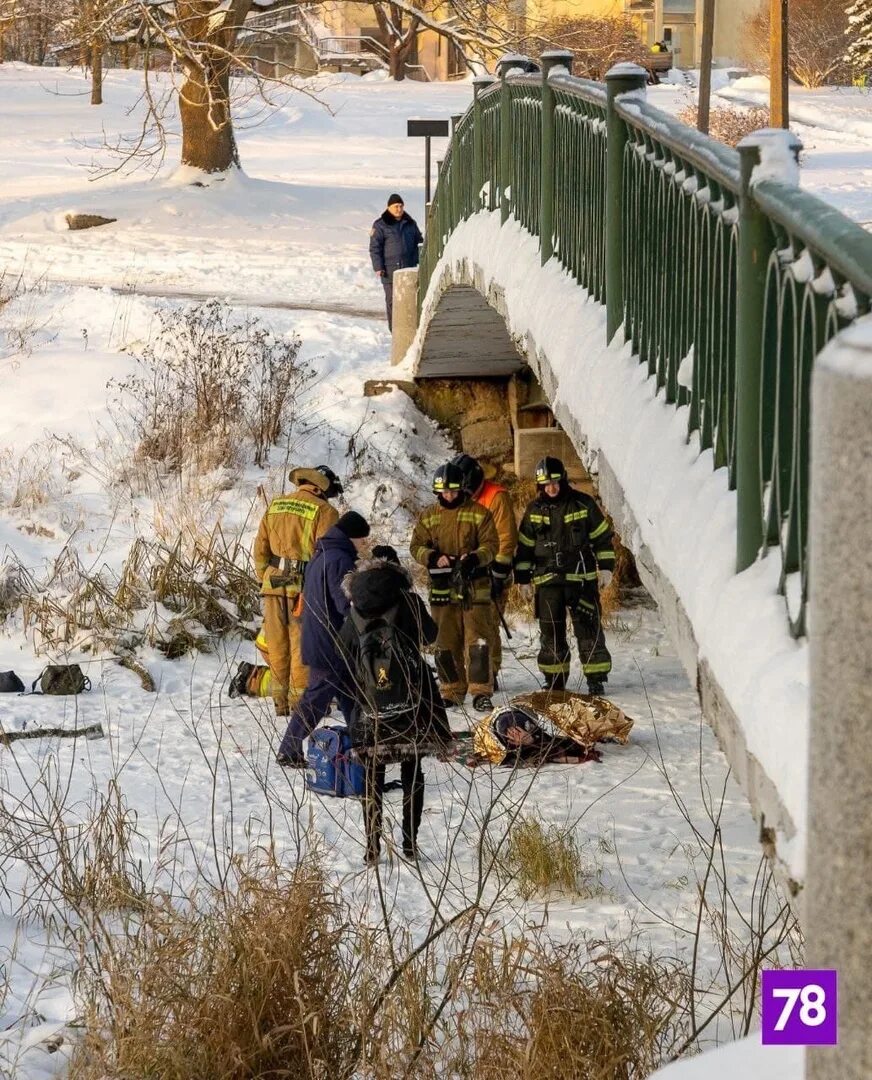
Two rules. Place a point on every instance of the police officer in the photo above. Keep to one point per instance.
(565, 550)
(456, 540)
(493, 497)
(285, 543)
(393, 245)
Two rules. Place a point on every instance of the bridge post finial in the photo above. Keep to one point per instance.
(620, 79)
(552, 59)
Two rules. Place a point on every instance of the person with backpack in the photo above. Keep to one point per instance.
(493, 497)
(565, 550)
(398, 715)
(325, 606)
(283, 548)
(456, 540)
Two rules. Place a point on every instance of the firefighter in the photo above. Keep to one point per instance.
(565, 550)
(285, 543)
(495, 498)
(456, 540)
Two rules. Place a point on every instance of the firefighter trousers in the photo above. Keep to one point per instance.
(495, 640)
(553, 603)
(284, 632)
(460, 630)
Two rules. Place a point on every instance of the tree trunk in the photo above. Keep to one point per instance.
(125, 55)
(96, 73)
(397, 62)
(208, 142)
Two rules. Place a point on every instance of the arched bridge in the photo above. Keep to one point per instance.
(673, 297)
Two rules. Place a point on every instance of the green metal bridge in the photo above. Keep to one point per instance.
(694, 248)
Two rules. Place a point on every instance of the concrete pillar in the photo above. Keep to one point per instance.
(838, 891)
(405, 314)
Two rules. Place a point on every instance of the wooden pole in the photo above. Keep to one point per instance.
(705, 66)
(778, 63)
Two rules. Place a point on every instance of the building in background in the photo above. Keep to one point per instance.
(340, 35)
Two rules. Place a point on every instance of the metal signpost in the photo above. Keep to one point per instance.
(427, 129)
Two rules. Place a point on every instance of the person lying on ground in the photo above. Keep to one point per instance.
(514, 735)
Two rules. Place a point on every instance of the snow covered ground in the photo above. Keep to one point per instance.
(292, 229)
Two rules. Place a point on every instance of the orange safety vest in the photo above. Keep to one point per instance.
(487, 494)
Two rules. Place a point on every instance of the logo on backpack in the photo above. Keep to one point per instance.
(387, 666)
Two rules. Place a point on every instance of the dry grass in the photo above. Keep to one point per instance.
(543, 859)
(562, 1012)
(177, 598)
(250, 982)
(209, 386)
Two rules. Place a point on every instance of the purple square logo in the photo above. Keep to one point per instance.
(800, 1008)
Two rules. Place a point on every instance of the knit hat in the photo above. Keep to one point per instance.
(353, 525)
(395, 198)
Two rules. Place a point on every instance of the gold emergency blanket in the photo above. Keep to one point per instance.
(587, 720)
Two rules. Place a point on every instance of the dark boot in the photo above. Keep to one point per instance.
(554, 682)
(482, 703)
(596, 687)
(290, 761)
(412, 776)
(239, 682)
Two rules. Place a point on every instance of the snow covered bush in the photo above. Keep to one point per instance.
(728, 124)
(212, 386)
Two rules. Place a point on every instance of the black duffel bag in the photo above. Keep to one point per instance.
(10, 683)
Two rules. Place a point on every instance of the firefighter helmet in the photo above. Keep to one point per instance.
(334, 485)
(550, 470)
(448, 477)
(473, 473)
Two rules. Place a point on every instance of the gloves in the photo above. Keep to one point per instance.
(432, 559)
(604, 577)
(499, 579)
(468, 565)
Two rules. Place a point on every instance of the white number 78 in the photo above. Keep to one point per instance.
(811, 1014)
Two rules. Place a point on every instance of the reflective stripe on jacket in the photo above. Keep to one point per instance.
(563, 540)
(289, 529)
(456, 531)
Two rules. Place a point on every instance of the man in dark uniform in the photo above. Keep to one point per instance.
(564, 548)
(393, 245)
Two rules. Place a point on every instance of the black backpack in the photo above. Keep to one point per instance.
(387, 673)
(61, 679)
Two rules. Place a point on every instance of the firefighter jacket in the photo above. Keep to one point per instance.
(286, 540)
(562, 541)
(496, 499)
(464, 528)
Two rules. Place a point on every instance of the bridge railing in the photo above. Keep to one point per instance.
(725, 276)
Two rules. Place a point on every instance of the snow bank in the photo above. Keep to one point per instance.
(747, 1057)
(685, 512)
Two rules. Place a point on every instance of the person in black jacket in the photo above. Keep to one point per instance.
(381, 596)
(393, 245)
(565, 550)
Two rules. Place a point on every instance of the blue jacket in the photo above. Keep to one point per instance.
(324, 603)
(393, 245)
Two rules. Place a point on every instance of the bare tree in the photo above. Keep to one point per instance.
(816, 41)
(26, 28)
(400, 30)
(596, 43)
(87, 28)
